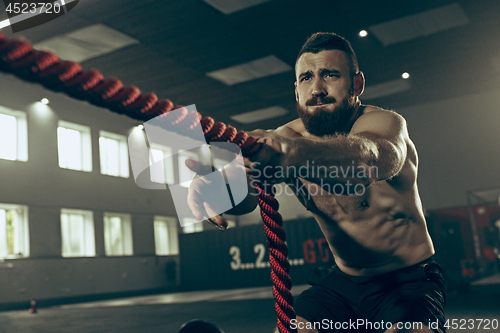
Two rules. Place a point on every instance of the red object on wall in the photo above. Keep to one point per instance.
(489, 253)
(309, 251)
(482, 216)
(33, 308)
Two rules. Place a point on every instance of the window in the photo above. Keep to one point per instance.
(191, 227)
(13, 135)
(114, 154)
(74, 146)
(231, 223)
(117, 234)
(185, 174)
(77, 233)
(166, 238)
(162, 165)
(14, 232)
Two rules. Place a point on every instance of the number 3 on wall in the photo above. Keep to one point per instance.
(258, 249)
(235, 252)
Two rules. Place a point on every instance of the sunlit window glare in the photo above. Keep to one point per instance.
(70, 148)
(117, 234)
(161, 165)
(191, 225)
(185, 174)
(8, 137)
(114, 155)
(74, 146)
(14, 231)
(77, 233)
(166, 241)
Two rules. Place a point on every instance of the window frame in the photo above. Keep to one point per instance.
(21, 134)
(172, 236)
(86, 146)
(192, 228)
(123, 160)
(125, 233)
(168, 172)
(184, 172)
(23, 242)
(88, 235)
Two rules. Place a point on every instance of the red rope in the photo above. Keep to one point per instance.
(19, 58)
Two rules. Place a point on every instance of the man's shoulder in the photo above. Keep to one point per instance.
(373, 111)
(294, 128)
(378, 119)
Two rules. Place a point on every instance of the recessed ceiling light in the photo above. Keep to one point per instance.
(141, 127)
(363, 33)
(45, 101)
(259, 115)
(405, 75)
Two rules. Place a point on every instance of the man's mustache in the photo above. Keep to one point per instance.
(320, 100)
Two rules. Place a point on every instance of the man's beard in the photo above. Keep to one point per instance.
(322, 122)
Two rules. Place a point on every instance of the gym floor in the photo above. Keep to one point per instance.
(234, 311)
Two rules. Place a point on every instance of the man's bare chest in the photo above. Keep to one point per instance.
(343, 202)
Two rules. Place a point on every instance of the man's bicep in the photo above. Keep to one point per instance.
(387, 131)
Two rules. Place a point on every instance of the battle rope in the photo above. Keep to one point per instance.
(19, 58)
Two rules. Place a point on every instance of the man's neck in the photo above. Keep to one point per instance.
(357, 112)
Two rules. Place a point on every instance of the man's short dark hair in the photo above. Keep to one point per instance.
(322, 41)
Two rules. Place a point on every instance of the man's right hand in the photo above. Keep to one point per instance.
(202, 196)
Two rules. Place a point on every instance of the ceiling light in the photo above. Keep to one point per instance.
(405, 75)
(363, 33)
(45, 101)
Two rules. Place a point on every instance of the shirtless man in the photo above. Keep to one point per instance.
(384, 272)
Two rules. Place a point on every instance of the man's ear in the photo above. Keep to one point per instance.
(358, 83)
(296, 92)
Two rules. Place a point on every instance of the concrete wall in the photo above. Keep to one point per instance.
(458, 145)
(45, 188)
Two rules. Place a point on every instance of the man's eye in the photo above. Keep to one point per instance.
(305, 78)
(332, 75)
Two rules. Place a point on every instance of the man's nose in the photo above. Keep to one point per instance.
(319, 89)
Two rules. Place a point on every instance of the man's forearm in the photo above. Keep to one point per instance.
(338, 159)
